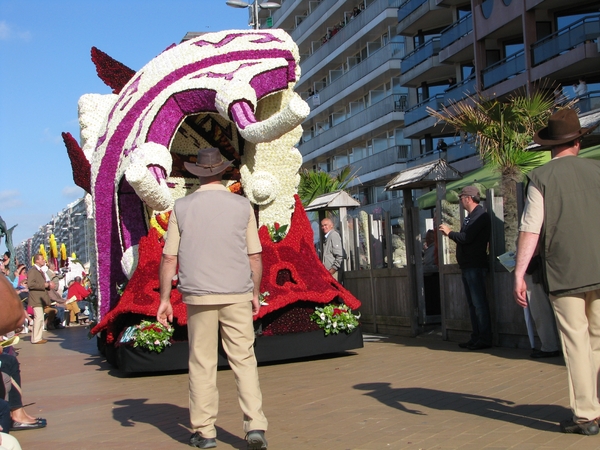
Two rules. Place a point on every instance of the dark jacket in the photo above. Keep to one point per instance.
(472, 240)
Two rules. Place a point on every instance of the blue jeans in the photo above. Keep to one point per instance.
(479, 310)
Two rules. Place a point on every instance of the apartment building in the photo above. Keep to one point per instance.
(350, 61)
(497, 48)
(371, 68)
(71, 227)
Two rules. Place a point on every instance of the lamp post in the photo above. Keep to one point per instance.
(255, 7)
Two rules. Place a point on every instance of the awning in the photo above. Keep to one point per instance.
(487, 177)
(424, 175)
(333, 200)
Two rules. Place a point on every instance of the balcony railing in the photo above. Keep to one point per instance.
(385, 158)
(453, 153)
(350, 31)
(364, 118)
(460, 91)
(504, 69)
(421, 54)
(457, 30)
(419, 112)
(309, 21)
(589, 102)
(408, 8)
(392, 50)
(586, 29)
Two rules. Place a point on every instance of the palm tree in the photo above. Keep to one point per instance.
(501, 131)
(316, 182)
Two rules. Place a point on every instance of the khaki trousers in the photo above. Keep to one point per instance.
(37, 334)
(237, 336)
(578, 317)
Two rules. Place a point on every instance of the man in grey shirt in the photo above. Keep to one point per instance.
(332, 251)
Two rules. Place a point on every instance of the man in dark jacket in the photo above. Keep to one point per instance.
(471, 254)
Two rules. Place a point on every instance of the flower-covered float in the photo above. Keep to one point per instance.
(232, 90)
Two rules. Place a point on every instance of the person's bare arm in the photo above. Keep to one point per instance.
(12, 313)
(525, 250)
(168, 269)
(256, 268)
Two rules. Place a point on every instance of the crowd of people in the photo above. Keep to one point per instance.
(32, 302)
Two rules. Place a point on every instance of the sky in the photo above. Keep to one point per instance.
(45, 66)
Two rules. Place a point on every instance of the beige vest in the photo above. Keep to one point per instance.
(213, 255)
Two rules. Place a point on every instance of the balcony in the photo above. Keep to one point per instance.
(363, 72)
(503, 70)
(460, 91)
(362, 125)
(422, 65)
(419, 112)
(453, 153)
(332, 50)
(421, 54)
(419, 15)
(384, 159)
(456, 31)
(589, 102)
(586, 29)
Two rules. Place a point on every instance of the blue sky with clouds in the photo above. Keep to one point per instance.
(45, 66)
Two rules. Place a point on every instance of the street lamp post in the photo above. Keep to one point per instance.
(255, 7)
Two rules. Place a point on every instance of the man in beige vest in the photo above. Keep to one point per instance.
(561, 214)
(213, 237)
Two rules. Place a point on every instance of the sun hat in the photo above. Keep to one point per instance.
(563, 126)
(208, 163)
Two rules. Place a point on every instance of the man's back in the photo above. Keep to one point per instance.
(571, 246)
(213, 254)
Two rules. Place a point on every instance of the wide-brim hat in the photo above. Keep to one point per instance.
(563, 126)
(208, 163)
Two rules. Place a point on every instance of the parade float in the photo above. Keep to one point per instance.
(232, 90)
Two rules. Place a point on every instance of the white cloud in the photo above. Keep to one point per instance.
(48, 136)
(4, 31)
(10, 199)
(73, 192)
(8, 33)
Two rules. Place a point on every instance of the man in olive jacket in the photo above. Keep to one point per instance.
(561, 213)
(39, 284)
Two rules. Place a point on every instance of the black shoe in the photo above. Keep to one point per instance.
(199, 442)
(465, 344)
(588, 428)
(542, 354)
(256, 440)
(479, 345)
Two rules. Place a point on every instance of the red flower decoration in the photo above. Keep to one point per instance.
(141, 295)
(114, 74)
(292, 270)
(82, 171)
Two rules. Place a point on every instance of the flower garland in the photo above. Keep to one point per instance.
(277, 232)
(152, 336)
(334, 319)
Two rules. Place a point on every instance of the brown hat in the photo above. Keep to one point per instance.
(469, 191)
(208, 164)
(563, 126)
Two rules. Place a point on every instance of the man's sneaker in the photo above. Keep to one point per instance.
(256, 440)
(588, 428)
(200, 442)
